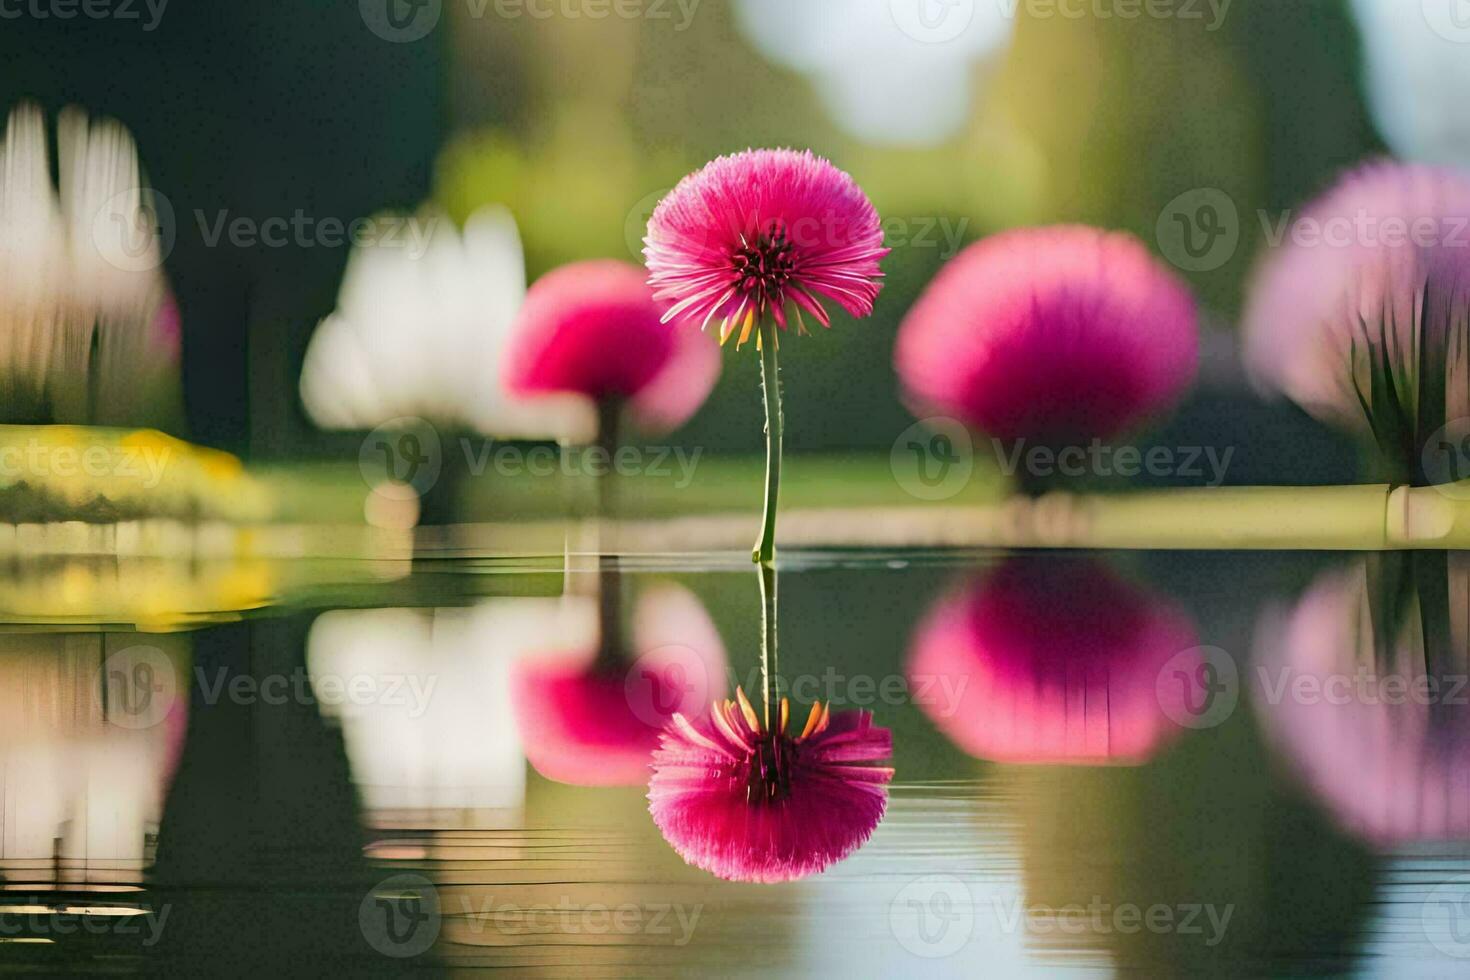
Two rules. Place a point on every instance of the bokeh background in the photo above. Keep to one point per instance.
(577, 116)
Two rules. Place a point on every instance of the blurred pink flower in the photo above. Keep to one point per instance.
(593, 328)
(1066, 332)
(750, 233)
(1050, 660)
(589, 723)
(750, 805)
(1371, 281)
(1383, 743)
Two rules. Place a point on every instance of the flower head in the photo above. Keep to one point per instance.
(1366, 306)
(764, 232)
(1050, 333)
(594, 329)
(1053, 661)
(749, 804)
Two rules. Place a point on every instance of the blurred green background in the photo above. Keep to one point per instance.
(579, 122)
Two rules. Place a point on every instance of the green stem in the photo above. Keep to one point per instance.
(609, 576)
(765, 547)
(770, 679)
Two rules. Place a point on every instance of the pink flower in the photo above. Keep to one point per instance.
(1050, 660)
(750, 805)
(1380, 739)
(1050, 333)
(764, 232)
(589, 723)
(1372, 282)
(593, 328)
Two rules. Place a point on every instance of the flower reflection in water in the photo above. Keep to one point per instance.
(85, 758)
(1374, 719)
(755, 804)
(737, 795)
(592, 719)
(1051, 661)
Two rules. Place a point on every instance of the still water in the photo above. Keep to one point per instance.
(1158, 764)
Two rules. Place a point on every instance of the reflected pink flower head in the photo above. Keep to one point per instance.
(1050, 333)
(1381, 741)
(764, 232)
(588, 723)
(1051, 661)
(1371, 282)
(593, 328)
(750, 805)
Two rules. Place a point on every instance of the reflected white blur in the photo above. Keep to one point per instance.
(1417, 71)
(446, 739)
(881, 82)
(81, 791)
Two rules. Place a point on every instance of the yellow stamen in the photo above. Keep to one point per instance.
(747, 710)
(785, 713)
(745, 330)
(812, 719)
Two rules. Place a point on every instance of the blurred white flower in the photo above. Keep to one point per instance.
(420, 332)
(432, 726)
(88, 330)
(1417, 72)
(889, 71)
